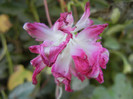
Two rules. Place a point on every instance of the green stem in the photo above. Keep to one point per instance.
(7, 53)
(127, 66)
(34, 11)
(3, 94)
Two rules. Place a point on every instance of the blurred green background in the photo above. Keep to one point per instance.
(16, 71)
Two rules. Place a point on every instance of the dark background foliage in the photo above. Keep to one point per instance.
(16, 71)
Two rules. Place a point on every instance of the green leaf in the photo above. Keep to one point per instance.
(11, 8)
(101, 92)
(114, 29)
(111, 43)
(115, 15)
(130, 58)
(3, 67)
(100, 3)
(122, 87)
(120, 90)
(23, 91)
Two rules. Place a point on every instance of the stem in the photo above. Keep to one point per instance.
(3, 94)
(62, 5)
(2, 54)
(127, 66)
(75, 13)
(10, 65)
(34, 11)
(58, 92)
(47, 13)
(69, 5)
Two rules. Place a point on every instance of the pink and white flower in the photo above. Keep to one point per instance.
(68, 51)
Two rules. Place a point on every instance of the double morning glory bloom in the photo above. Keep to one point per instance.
(69, 49)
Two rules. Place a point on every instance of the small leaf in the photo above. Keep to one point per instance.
(22, 91)
(114, 29)
(115, 15)
(19, 77)
(48, 70)
(111, 43)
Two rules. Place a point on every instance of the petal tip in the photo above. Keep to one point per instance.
(25, 26)
(105, 25)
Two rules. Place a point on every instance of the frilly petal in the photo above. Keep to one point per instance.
(92, 32)
(84, 20)
(64, 23)
(61, 69)
(81, 62)
(104, 58)
(41, 32)
(35, 49)
(39, 66)
(49, 54)
(100, 77)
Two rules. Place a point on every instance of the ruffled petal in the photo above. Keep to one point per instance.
(39, 66)
(92, 32)
(59, 78)
(100, 77)
(35, 49)
(41, 32)
(86, 64)
(94, 71)
(84, 20)
(86, 57)
(50, 51)
(64, 23)
(81, 62)
(61, 69)
(104, 58)
(77, 74)
(49, 54)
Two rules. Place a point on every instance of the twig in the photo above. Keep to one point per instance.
(7, 53)
(47, 13)
(58, 92)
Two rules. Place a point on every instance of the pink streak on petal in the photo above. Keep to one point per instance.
(87, 63)
(35, 49)
(59, 78)
(92, 32)
(76, 73)
(84, 20)
(39, 66)
(39, 31)
(61, 68)
(81, 61)
(104, 58)
(94, 71)
(67, 18)
(100, 77)
(64, 23)
(50, 53)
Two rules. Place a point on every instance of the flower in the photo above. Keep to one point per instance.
(69, 50)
